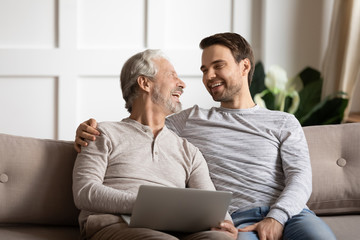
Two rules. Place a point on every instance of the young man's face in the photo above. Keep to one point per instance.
(221, 74)
(167, 86)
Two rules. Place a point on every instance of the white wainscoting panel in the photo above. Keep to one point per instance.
(28, 24)
(28, 106)
(188, 21)
(111, 23)
(100, 98)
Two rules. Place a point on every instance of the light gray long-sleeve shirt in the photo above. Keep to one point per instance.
(108, 173)
(259, 155)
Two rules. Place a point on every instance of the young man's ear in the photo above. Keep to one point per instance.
(144, 83)
(246, 66)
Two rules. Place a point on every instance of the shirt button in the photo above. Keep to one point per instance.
(341, 162)
(156, 153)
(4, 178)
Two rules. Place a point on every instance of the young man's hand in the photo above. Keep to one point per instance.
(85, 131)
(267, 229)
(227, 227)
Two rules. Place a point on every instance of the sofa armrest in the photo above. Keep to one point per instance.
(36, 181)
(335, 159)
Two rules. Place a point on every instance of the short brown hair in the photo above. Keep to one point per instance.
(238, 46)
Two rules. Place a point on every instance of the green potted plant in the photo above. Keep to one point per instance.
(300, 95)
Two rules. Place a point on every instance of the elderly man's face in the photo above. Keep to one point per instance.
(168, 87)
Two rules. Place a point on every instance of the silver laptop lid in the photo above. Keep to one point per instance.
(179, 209)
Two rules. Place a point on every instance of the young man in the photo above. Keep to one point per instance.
(139, 150)
(259, 155)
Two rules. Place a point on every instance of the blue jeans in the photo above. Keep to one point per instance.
(306, 225)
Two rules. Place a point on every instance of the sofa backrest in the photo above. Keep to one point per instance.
(36, 181)
(335, 159)
(36, 176)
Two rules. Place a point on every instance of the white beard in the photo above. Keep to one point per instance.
(167, 103)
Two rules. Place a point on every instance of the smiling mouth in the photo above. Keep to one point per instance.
(177, 94)
(215, 85)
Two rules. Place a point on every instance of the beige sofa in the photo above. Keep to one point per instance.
(36, 198)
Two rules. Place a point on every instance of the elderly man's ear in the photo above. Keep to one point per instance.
(144, 83)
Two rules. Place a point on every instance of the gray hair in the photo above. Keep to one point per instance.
(141, 64)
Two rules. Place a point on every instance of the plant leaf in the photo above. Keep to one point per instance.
(329, 111)
(310, 96)
(309, 75)
(269, 100)
(288, 102)
(258, 81)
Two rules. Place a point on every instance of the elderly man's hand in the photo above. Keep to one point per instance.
(85, 131)
(227, 227)
(267, 229)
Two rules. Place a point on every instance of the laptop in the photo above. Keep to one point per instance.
(179, 209)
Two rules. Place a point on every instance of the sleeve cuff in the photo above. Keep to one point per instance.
(278, 215)
(228, 217)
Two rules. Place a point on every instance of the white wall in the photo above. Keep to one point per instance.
(295, 33)
(60, 59)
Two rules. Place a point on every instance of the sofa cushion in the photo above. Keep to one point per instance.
(335, 159)
(345, 227)
(36, 181)
(38, 232)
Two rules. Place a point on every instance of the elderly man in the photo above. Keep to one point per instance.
(139, 150)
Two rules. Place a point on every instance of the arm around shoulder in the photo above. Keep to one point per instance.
(86, 131)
